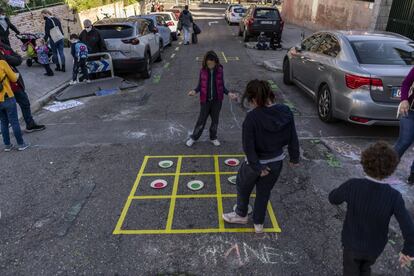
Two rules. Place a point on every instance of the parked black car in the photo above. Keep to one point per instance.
(262, 19)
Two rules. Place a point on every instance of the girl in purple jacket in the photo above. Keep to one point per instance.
(211, 89)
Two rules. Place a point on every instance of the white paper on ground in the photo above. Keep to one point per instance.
(59, 106)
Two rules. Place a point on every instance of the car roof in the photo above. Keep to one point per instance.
(264, 8)
(126, 21)
(357, 35)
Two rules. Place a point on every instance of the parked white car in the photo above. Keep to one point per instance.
(235, 14)
(172, 22)
(132, 44)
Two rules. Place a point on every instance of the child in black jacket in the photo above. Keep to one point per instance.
(370, 205)
(267, 129)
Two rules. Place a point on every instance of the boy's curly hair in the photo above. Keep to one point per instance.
(379, 160)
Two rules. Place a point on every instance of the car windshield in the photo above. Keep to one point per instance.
(384, 52)
(239, 10)
(270, 14)
(115, 31)
(166, 17)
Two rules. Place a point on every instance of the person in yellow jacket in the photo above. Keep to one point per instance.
(8, 108)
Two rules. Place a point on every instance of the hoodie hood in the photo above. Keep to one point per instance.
(186, 12)
(273, 118)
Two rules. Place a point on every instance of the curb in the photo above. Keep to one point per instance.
(38, 104)
(269, 65)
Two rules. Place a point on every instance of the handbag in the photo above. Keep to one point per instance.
(196, 29)
(55, 33)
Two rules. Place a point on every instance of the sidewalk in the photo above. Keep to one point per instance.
(273, 60)
(40, 88)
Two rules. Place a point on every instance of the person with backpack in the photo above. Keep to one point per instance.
(79, 53)
(13, 59)
(211, 89)
(54, 35)
(186, 22)
(8, 109)
(42, 56)
(267, 129)
(5, 26)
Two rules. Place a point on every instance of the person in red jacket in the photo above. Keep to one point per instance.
(212, 90)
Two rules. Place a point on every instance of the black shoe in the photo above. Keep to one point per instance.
(35, 127)
(49, 74)
(410, 179)
(63, 68)
(58, 68)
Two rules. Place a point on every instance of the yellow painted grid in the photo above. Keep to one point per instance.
(174, 196)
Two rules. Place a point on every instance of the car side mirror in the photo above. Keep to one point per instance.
(299, 48)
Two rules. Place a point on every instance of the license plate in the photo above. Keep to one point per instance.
(396, 92)
(267, 22)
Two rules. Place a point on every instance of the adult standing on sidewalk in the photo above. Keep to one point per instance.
(186, 21)
(14, 60)
(5, 26)
(406, 137)
(266, 130)
(54, 34)
(92, 38)
(8, 109)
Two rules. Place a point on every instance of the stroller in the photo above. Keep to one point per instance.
(29, 46)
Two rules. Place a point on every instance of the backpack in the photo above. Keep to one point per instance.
(81, 50)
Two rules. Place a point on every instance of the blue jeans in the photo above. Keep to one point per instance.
(58, 52)
(8, 115)
(406, 137)
(23, 100)
(247, 179)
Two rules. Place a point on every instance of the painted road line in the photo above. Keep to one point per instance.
(224, 56)
(174, 193)
(219, 195)
(186, 196)
(173, 55)
(129, 200)
(196, 156)
(195, 231)
(273, 219)
(177, 48)
(188, 174)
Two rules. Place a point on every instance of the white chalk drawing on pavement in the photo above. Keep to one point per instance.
(347, 150)
(59, 106)
(241, 253)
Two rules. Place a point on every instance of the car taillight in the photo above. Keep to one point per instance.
(250, 22)
(133, 41)
(359, 119)
(355, 82)
(170, 23)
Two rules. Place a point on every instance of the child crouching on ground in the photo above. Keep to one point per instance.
(211, 89)
(370, 205)
(42, 52)
(79, 53)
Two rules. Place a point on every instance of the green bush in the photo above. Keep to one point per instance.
(81, 5)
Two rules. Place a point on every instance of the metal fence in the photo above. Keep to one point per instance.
(401, 18)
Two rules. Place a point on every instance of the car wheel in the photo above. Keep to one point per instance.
(286, 72)
(174, 36)
(159, 58)
(148, 69)
(245, 36)
(324, 104)
(29, 62)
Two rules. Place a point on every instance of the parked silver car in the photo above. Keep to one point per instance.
(352, 75)
(132, 44)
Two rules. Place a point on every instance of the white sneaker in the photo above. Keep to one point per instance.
(235, 218)
(258, 228)
(216, 143)
(88, 81)
(190, 142)
(72, 82)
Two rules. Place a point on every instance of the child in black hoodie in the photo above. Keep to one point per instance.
(266, 130)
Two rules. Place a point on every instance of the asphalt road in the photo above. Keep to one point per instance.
(61, 201)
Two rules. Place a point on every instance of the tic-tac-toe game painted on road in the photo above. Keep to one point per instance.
(185, 194)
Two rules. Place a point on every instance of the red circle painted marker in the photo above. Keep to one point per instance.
(232, 162)
(158, 185)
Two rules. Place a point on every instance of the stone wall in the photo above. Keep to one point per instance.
(382, 13)
(330, 14)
